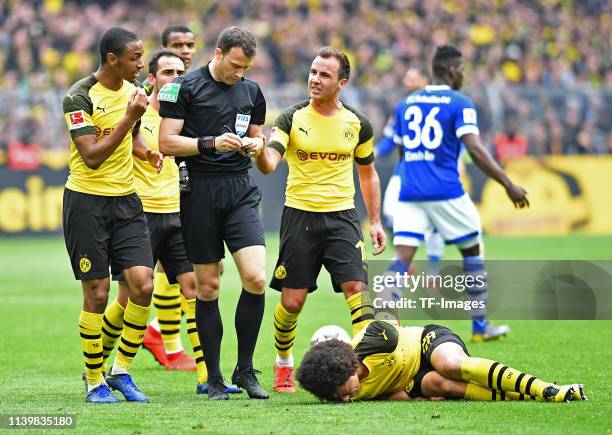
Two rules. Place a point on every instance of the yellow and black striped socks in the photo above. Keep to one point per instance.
(496, 376)
(167, 302)
(476, 392)
(90, 329)
(112, 325)
(134, 326)
(362, 310)
(189, 307)
(285, 324)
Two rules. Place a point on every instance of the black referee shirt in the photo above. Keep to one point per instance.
(211, 108)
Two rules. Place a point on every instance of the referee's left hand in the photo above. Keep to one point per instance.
(379, 238)
(253, 144)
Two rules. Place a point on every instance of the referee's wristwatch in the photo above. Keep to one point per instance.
(206, 143)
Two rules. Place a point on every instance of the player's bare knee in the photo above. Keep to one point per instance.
(122, 298)
(255, 282)
(141, 292)
(208, 291)
(189, 293)
(351, 288)
(95, 295)
(293, 303)
(188, 285)
(450, 367)
(146, 288)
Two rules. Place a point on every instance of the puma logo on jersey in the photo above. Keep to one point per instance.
(150, 130)
(302, 130)
(384, 335)
(103, 109)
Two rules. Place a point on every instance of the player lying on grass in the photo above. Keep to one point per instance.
(391, 362)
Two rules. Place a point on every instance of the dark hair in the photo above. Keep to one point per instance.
(154, 62)
(326, 367)
(114, 41)
(444, 58)
(177, 28)
(237, 37)
(344, 71)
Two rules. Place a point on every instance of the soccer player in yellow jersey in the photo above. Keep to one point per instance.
(389, 362)
(103, 220)
(321, 138)
(162, 337)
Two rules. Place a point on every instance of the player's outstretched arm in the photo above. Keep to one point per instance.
(485, 161)
(268, 160)
(94, 152)
(370, 190)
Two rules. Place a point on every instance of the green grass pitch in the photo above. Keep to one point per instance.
(41, 363)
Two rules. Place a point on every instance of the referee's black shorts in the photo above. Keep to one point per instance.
(217, 210)
(167, 245)
(310, 240)
(432, 337)
(104, 230)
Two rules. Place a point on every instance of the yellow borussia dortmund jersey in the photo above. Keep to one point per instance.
(320, 151)
(159, 192)
(392, 355)
(90, 108)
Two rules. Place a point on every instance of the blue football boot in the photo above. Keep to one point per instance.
(229, 389)
(126, 386)
(101, 394)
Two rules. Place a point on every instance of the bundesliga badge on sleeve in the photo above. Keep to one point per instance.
(242, 124)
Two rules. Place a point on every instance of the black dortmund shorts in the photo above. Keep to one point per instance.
(102, 231)
(167, 245)
(218, 210)
(310, 240)
(432, 337)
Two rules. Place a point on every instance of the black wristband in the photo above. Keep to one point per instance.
(206, 143)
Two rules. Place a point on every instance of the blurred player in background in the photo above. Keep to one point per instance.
(321, 138)
(388, 362)
(431, 124)
(414, 79)
(103, 219)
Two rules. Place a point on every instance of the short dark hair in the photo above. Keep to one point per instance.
(154, 62)
(344, 71)
(237, 37)
(114, 41)
(176, 28)
(326, 367)
(444, 58)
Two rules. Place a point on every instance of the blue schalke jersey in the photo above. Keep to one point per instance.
(429, 125)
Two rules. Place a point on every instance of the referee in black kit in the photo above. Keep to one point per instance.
(212, 120)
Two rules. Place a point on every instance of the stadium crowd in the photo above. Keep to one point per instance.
(540, 71)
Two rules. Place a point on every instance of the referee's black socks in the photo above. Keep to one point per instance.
(249, 313)
(210, 331)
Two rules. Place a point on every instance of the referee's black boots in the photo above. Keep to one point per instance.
(246, 379)
(217, 389)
